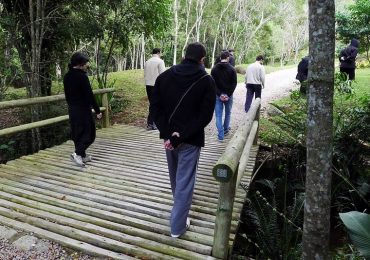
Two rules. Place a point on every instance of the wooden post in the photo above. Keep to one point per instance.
(224, 213)
(105, 103)
(257, 118)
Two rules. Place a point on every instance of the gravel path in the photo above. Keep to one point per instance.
(278, 84)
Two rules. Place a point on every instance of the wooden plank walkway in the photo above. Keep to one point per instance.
(119, 205)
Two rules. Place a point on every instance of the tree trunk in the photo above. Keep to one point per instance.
(37, 26)
(187, 31)
(218, 31)
(176, 32)
(319, 129)
(142, 53)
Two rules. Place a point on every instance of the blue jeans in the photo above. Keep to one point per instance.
(182, 167)
(219, 108)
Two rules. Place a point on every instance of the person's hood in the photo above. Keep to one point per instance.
(222, 65)
(355, 43)
(188, 71)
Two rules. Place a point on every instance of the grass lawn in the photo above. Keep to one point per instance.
(130, 97)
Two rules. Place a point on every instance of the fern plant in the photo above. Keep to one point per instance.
(275, 218)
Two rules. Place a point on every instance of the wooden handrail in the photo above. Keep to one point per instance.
(226, 171)
(227, 164)
(245, 155)
(41, 123)
(41, 100)
(54, 120)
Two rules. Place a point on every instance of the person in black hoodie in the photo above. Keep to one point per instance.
(347, 59)
(225, 78)
(182, 106)
(80, 99)
(232, 58)
(303, 73)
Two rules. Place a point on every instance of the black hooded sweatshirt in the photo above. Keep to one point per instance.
(225, 78)
(349, 55)
(78, 91)
(194, 111)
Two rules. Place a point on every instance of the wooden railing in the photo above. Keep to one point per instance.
(229, 170)
(49, 99)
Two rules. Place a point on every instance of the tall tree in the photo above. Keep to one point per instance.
(319, 129)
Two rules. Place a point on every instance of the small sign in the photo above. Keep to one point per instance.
(221, 173)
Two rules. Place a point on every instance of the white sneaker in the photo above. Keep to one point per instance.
(187, 228)
(77, 159)
(87, 158)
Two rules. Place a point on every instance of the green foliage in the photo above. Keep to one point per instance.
(351, 131)
(358, 227)
(292, 118)
(274, 213)
(363, 64)
(355, 23)
(129, 101)
(7, 150)
(346, 252)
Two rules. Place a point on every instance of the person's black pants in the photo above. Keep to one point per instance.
(253, 90)
(349, 72)
(83, 130)
(149, 93)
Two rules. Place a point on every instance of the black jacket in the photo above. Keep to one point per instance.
(78, 91)
(303, 69)
(225, 78)
(194, 112)
(347, 56)
(232, 60)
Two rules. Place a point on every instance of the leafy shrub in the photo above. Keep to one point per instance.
(274, 212)
(358, 226)
(7, 150)
(363, 64)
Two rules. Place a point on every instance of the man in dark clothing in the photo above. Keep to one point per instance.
(218, 59)
(347, 59)
(225, 78)
(232, 58)
(303, 73)
(182, 106)
(80, 99)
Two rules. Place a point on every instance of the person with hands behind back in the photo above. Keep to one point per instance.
(182, 106)
(80, 99)
(225, 78)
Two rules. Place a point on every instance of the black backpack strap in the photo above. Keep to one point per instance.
(187, 91)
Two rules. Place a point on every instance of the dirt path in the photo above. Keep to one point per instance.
(278, 84)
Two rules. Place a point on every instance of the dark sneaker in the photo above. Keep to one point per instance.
(226, 132)
(151, 127)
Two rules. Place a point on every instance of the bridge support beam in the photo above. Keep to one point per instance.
(224, 213)
(105, 103)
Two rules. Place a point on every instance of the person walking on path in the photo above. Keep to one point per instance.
(152, 68)
(302, 73)
(255, 81)
(182, 106)
(226, 79)
(347, 59)
(232, 58)
(80, 100)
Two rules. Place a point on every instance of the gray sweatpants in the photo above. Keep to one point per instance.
(182, 166)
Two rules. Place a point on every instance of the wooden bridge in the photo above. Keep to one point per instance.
(119, 206)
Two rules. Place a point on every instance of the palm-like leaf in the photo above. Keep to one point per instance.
(358, 226)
